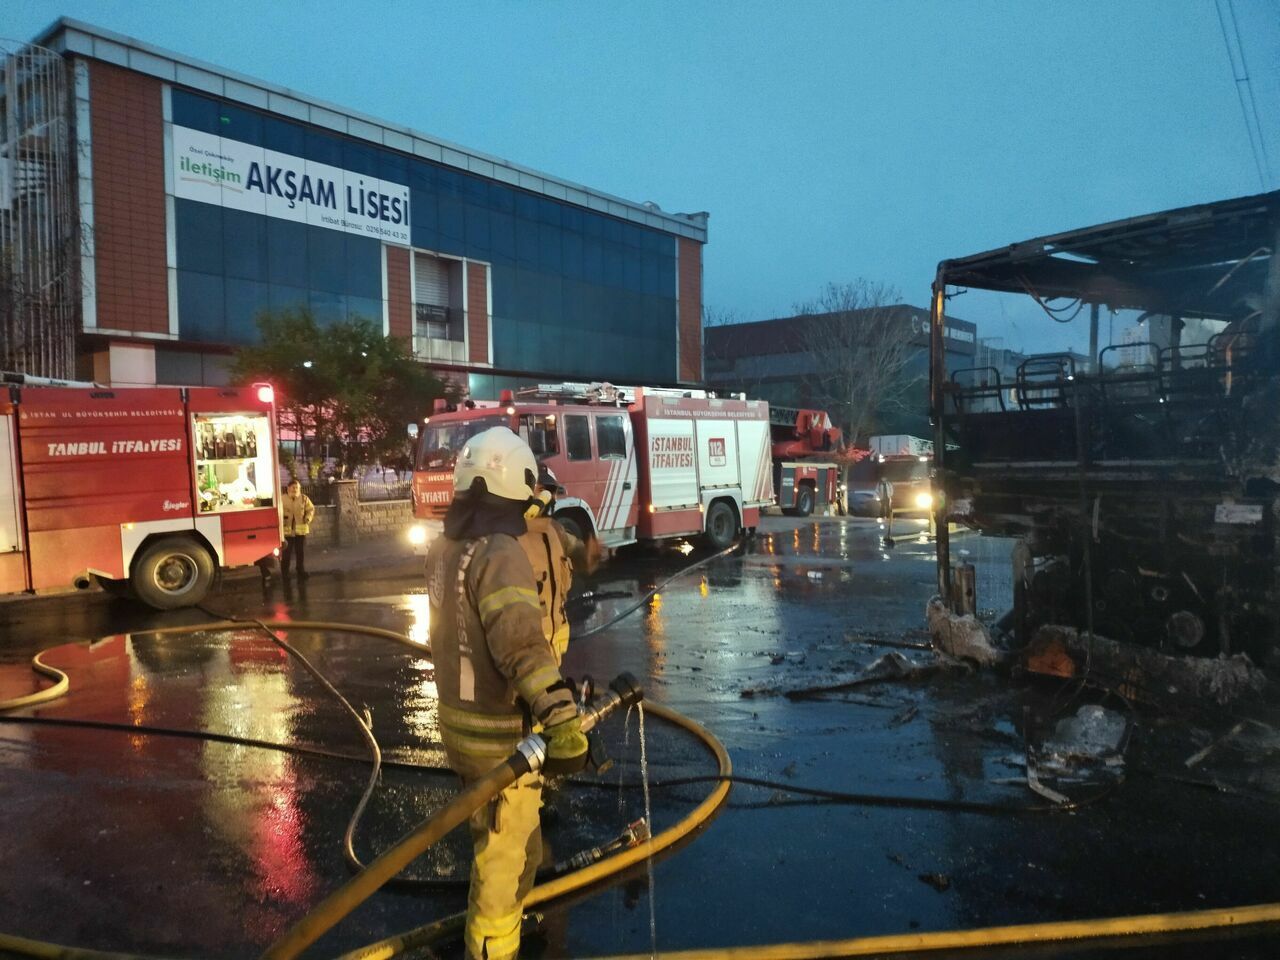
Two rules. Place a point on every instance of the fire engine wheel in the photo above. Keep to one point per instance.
(174, 572)
(722, 525)
(804, 503)
(571, 525)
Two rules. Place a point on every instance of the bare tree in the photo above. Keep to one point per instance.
(859, 338)
(718, 317)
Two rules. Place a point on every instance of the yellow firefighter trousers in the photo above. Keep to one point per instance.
(508, 848)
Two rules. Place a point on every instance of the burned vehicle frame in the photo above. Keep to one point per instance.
(1141, 482)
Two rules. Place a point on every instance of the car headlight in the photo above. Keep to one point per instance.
(924, 500)
(417, 535)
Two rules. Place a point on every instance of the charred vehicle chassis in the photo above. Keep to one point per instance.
(1141, 482)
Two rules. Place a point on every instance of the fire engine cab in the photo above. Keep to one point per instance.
(804, 471)
(145, 490)
(637, 463)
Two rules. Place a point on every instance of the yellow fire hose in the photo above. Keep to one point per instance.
(593, 873)
(40, 696)
(368, 881)
(454, 813)
(57, 951)
(1147, 924)
(1074, 930)
(62, 685)
(528, 757)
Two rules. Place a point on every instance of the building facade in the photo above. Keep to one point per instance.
(206, 197)
(774, 360)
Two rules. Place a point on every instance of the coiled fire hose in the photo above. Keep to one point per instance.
(391, 946)
(590, 875)
(528, 758)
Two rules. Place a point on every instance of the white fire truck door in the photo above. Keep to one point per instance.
(755, 462)
(673, 474)
(615, 470)
(717, 446)
(10, 527)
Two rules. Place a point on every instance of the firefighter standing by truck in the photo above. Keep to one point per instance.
(884, 496)
(298, 511)
(497, 675)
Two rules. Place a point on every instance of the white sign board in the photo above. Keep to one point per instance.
(229, 173)
(717, 445)
(1247, 513)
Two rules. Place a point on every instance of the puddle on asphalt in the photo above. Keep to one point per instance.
(250, 836)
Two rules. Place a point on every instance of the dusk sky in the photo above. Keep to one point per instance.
(827, 140)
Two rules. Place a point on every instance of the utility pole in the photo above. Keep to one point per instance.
(1093, 338)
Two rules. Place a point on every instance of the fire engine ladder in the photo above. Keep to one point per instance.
(30, 380)
(599, 392)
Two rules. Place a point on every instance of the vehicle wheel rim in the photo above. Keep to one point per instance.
(176, 573)
(721, 526)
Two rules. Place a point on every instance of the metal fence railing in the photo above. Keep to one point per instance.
(384, 485)
(373, 484)
(320, 492)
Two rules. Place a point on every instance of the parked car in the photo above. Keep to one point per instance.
(864, 503)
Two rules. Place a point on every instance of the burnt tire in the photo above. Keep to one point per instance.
(172, 572)
(722, 526)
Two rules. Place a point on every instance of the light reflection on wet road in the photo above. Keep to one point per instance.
(135, 840)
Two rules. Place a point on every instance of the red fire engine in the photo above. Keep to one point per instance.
(638, 463)
(804, 472)
(146, 490)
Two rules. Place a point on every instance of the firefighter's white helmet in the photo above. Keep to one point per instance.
(504, 461)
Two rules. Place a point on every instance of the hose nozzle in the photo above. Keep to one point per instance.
(624, 690)
(626, 686)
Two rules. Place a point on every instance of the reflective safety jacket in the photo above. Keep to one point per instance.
(553, 553)
(489, 651)
(297, 513)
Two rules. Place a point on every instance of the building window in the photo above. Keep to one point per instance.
(577, 437)
(611, 438)
(432, 320)
(437, 308)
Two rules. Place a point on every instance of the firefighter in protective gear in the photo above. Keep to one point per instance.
(555, 555)
(884, 494)
(497, 677)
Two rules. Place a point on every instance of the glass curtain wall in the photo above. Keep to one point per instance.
(574, 292)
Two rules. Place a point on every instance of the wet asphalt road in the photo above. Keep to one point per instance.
(130, 839)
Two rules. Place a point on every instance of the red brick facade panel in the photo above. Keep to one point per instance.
(399, 294)
(690, 320)
(127, 130)
(478, 312)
